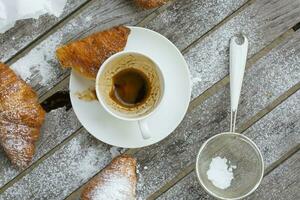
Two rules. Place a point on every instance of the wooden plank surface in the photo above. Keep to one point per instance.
(26, 31)
(98, 16)
(261, 22)
(161, 162)
(60, 123)
(166, 159)
(188, 188)
(40, 68)
(282, 183)
(69, 167)
(69, 35)
(186, 21)
(6, 170)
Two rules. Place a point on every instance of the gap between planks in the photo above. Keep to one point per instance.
(220, 24)
(250, 62)
(211, 91)
(150, 17)
(40, 160)
(65, 80)
(62, 83)
(219, 85)
(187, 170)
(23, 51)
(191, 168)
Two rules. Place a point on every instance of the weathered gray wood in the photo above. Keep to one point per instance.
(161, 162)
(279, 130)
(45, 72)
(40, 68)
(161, 175)
(60, 123)
(100, 168)
(58, 126)
(46, 49)
(185, 21)
(186, 189)
(261, 22)
(61, 173)
(167, 158)
(282, 183)
(26, 31)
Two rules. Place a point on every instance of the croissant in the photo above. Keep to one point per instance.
(87, 55)
(116, 182)
(21, 118)
(148, 4)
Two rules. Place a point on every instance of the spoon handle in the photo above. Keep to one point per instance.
(238, 58)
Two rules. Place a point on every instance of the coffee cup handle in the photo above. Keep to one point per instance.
(144, 128)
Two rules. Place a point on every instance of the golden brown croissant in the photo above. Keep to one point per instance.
(148, 4)
(21, 117)
(116, 182)
(87, 55)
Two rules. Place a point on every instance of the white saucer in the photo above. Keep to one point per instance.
(170, 113)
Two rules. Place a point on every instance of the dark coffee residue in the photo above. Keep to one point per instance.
(131, 88)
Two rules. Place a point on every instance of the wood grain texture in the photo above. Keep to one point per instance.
(58, 126)
(176, 146)
(60, 123)
(261, 22)
(45, 50)
(186, 189)
(172, 146)
(40, 68)
(61, 173)
(26, 31)
(282, 183)
(163, 161)
(185, 21)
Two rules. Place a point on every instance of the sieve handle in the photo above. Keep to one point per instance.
(238, 58)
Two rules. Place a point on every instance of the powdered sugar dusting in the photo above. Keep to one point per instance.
(280, 129)
(116, 187)
(274, 135)
(36, 65)
(6, 172)
(40, 67)
(140, 182)
(86, 164)
(15, 144)
(209, 59)
(220, 173)
(63, 172)
(58, 125)
(184, 22)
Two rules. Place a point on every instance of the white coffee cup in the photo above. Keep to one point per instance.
(104, 86)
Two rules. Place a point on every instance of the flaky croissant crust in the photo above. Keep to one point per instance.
(123, 165)
(21, 118)
(148, 4)
(87, 55)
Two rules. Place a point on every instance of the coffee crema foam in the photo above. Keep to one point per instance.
(129, 61)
